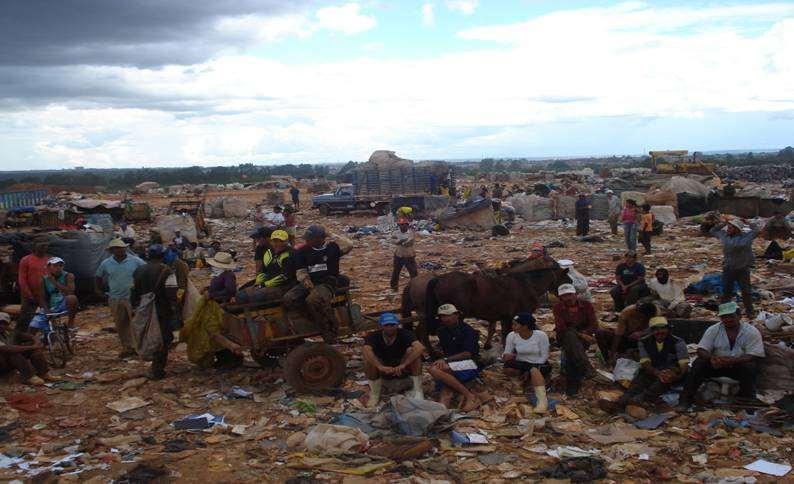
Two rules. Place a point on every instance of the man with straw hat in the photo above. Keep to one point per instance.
(115, 275)
(223, 285)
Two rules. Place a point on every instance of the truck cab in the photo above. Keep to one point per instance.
(344, 200)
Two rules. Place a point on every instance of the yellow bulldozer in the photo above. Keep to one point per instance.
(675, 162)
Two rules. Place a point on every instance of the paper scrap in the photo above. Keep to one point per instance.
(127, 403)
(771, 468)
(462, 365)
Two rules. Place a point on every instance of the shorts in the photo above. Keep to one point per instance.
(39, 320)
(463, 376)
(525, 366)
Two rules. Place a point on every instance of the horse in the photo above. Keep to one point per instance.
(489, 295)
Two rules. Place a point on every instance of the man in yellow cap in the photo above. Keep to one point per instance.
(664, 362)
(275, 277)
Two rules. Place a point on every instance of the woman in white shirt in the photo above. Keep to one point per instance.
(526, 356)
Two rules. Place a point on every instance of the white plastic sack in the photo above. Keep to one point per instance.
(235, 207)
(414, 417)
(664, 214)
(625, 369)
(191, 301)
(145, 327)
(335, 439)
(168, 224)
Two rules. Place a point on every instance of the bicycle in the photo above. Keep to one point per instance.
(55, 337)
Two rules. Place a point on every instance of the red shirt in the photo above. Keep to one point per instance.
(31, 273)
(580, 317)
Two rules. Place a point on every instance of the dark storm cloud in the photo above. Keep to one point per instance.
(141, 33)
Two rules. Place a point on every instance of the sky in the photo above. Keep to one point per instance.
(97, 83)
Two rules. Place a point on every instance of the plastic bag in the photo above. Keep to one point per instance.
(335, 439)
(414, 417)
(625, 369)
(146, 336)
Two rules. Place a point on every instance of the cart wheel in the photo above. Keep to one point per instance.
(264, 359)
(325, 209)
(314, 367)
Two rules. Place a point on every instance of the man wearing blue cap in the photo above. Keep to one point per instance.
(391, 353)
(729, 348)
(151, 278)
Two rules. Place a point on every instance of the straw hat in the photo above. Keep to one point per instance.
(117, 243)
(222, 260)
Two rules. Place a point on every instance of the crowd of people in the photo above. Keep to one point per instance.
(306, 276)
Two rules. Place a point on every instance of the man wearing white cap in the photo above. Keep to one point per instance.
(57, 290)
(461, 348)
(578, 280)
(729, 348)
(576, 325)
(738, 258)
(613, 215)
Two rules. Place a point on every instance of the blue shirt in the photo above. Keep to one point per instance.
(458, 339)
(118, 275)
(737, 250)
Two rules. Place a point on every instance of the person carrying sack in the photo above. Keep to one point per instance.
(152, 334)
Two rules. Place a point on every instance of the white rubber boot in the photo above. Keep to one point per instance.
(419, 393)
(543, 403)
(374, 392)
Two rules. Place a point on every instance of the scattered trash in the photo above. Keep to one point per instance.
(770, 468)
(127, 403)
(414, 417)
(198, 422)
(576, 469)
(335, 439)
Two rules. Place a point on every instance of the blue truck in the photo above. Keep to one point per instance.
(382, 189)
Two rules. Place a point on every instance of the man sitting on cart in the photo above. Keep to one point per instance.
(277, 274)
(391, 353)
(317, 272)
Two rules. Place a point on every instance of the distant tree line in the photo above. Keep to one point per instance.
(120, 179)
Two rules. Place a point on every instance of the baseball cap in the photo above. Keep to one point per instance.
(524, 318)
(610, 192)
(314, 232)
(537, 247)
(566, 289)
(280, 235)
(736, 223)
(387, 319)
(727, 308)
(5, 317)
(260, 233)
(631, 253)
(658, 322)
(447, 309)
(117, 243)
(55, 260)
(156, 250)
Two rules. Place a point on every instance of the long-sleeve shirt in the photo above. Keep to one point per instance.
(31, 271)
(404, 244)
(223, 287)
(737, 250)
(580, 317)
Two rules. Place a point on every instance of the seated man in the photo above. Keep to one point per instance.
(664, 361)
(669, 294)
(461, 349)
(632, 325)
(317, 271)
(575, 324)
(729, 348)
(527, 356)
(57, 290)
(392, 352)
(25, 356)
(630, 279)
(277, 274)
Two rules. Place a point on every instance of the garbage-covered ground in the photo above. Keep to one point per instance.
(105, 420)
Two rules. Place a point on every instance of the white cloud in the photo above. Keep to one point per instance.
(346, 19)
(466, 7)
(266, 29)
(428, 15)
(567, 66)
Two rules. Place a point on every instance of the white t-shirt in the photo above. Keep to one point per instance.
(748, 341)
(532, 350)
(274, 218)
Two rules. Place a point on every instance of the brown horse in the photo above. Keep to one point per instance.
(491, 296)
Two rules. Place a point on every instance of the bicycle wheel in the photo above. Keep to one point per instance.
(58, 353)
